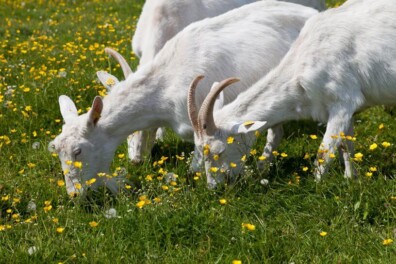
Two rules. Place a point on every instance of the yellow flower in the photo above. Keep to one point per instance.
(214, 169)
(197, 176)
(206, 149)
(47, 208)
(93, 224)
(215, 157)
(369, 174)
(90, 182)
(248, 123)
(143, 198)
(332, 156)
(262, 158)
(385, 144)
(78, 164)
(233, 165)
(313, 136)
(165, 188)
(358, 156)
(373, 146)
(69, 162)
(275, 153)
(121, 156)
(236, 261)
(110, 81)
(179, 157)
(305, 168)
(243, 158)
(253, 152)
(381, 126)
(60, 230)
(248, 226)
(61, 183)
(157, 199)
(77, 186)
(223, 201)
(323, 233)
(387, 242)
(140, 204)
(257, 133)
(55, 220)
(283, 155)
(127, 186)
(373, 169)
(149, 177)
(230, 140)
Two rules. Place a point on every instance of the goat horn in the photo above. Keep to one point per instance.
(192, 108)
(205, 115)
(118, 57)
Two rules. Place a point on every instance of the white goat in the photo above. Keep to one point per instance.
(246, 42)
(159, 21)
(343, 62)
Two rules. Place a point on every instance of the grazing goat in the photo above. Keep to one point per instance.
(246, 42)
(160, 21)
(343, 62)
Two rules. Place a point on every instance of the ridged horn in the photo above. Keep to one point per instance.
(118, 57)
(192, 108)
(205, 115)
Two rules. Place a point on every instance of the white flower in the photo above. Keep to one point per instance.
(36, 145)
(171, 177)
(111, 213)
(264, 182)
(32, 250)
(62, 74)
(31, 207)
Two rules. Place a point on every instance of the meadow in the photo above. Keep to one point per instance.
(50, 48)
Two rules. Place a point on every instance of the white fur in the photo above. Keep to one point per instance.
(161, 20)
(343, 62)
(246, 42)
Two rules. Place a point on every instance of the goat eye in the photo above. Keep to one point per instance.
(77, 152)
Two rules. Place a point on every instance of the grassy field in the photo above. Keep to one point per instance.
(49, 48)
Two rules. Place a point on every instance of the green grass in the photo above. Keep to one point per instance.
(49, 48)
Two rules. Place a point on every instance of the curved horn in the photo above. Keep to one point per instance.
(205, 115)
(118, 57)
(192, 108)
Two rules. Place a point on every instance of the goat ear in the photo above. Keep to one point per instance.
(95, 112)
(108, 80)
(68, 108)
(249, 126)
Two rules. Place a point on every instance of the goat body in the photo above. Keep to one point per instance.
(343, 62)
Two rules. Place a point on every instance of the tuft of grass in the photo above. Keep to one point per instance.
(49, 48)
